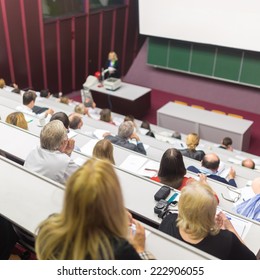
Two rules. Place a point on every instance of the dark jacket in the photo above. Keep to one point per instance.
(195, 154)
(231, 182)
(139, 148)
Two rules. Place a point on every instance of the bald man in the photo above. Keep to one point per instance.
(209, 167)
(249, 163)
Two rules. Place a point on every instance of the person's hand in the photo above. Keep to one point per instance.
(223, 222)
(106, 134)
(232, 173)
(137, 239)
(69, 147)
(49, 112)
(203, 178)
(135, 136)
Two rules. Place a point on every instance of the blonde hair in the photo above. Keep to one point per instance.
(80, 109)
(104, 150)
(197, 209)
(112, 56)
(64, 100)
(17, 119)
(192, 141)
(93, 214)
(2, 83)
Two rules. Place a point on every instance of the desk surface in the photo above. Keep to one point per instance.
(126, 91)
(21, 203)
(206, 117)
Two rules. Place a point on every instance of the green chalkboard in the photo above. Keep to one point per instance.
(239, 66)
(202, 61)
(228, 64)
(179, 55)
(158, 51)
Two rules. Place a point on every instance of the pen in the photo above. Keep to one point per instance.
(149, 169)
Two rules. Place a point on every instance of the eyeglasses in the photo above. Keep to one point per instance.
(234, 200)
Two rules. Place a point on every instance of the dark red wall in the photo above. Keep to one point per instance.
(60, 54)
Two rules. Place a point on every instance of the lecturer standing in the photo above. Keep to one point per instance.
(112, 65)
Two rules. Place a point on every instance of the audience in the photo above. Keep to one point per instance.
(125, 133)
(2, 83)
(8, 239)
(52, 157)
(172, 170)
(176, 135)
(61, 116)
(209, 167)
(105, 116)
(198, 224)
(104, 150)
(17, 119)
(75, 121)
(81, 109)
(132, 119)
(251, 207)
(65, 100)
(146, 125)
(29, 98)
(93, 223)
(249, 163)
(227, 144)
(192, 141)
(45, 93)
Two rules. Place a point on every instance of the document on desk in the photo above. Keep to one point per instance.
(133, 163)
(98, 133)
(241, 226)
(149, 169)
(72, 134)
(88, 147)
(246, 193)
(223, 171)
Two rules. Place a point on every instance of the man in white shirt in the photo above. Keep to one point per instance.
(52, 158)
(29, 98)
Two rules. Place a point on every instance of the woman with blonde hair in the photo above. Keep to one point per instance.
(192, 141)
(17, 119)
(112, 65)
(93, 223)
(104, 150)
(198, 225)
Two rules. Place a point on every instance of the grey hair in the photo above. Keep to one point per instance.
(126, 129)
(52, 135)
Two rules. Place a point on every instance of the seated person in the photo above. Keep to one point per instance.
(251, 207)
(104, 150)
(172, 170)
(52, 157)
(249, 163)
(125, 133)
(176, 135)
(132, 119)
(8, 238)
(17, 119)
(61, 116)
(209, 167)
(199, 225)
(75, 121)
(81, 109)
(93, 224)
(29, 98)
(45, 93)
(146, 125)
(227, 144)
(106, 116)
(2, 83)
(192, 141)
